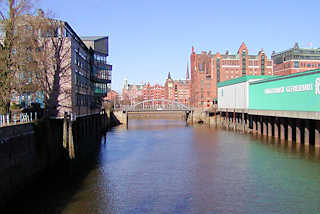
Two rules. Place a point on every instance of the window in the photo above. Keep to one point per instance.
(296, 64)
(262, 64)
(243, 62)
(309, 65)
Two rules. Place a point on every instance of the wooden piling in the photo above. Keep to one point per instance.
(65, 130)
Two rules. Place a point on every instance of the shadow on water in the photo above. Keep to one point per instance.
(55, 187)
(162, 167)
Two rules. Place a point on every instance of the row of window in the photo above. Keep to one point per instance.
(82, 83)
(84, 99)
(309, 65)
(27, 99)
(81, 63)
(250, 62)
(103, 74)
(100, 59)
(100, 88)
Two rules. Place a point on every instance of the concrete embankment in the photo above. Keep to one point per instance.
(28, 150)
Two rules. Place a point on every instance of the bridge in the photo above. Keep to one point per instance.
(158, 105)
(154, 109)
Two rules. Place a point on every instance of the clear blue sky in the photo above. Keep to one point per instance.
(149, 38)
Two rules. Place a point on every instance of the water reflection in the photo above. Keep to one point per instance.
(158, 166)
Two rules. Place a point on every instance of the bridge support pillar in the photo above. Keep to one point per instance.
(282, 130)
(306, 134)
(290, 133)
(227, 119)
(243, 123)
(269, 128)
(317, 135)
(247, 130)
(298, 131)
(265, 127)
(254, 128)
(276, 129)
(259, 125)
(309, 133)
(234, 120)
(222, 119)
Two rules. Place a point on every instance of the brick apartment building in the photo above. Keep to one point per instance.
(295, 60)
(207, 69)
(178, 90)
(173, 90)
(153, 92)
(113, 97)
(132, 93)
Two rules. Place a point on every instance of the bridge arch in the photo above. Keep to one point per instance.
(158, 105)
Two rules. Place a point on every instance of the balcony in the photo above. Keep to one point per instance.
(100, 91)
(102, 76)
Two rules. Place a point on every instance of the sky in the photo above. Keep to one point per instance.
(149, 38)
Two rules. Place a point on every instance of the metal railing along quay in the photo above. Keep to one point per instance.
(13, 119)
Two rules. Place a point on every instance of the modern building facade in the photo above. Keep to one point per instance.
(208, 69)
(234, 94)
(294, 92)
(295, 60)
(84, 72)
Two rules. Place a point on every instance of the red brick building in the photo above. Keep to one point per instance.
(207, 69)
(132, 93)
(295, 60)
(178, 90)
(175, 90)
(153, 92)
(113, 96)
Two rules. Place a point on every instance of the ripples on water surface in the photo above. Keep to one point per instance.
(159, 166)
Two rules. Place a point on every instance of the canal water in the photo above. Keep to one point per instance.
(163, 166)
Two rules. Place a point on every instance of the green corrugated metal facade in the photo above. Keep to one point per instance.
(295, 92)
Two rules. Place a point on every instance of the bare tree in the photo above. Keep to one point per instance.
(35, 57)
(11, 12)
(51, 54)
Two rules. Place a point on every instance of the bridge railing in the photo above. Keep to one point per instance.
(158, 105)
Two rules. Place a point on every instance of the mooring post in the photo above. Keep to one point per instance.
(65, 130)
(71, 143)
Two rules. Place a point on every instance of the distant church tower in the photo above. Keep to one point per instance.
(187, 76)
(125, 84)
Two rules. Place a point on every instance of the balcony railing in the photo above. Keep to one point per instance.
(101, 77)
